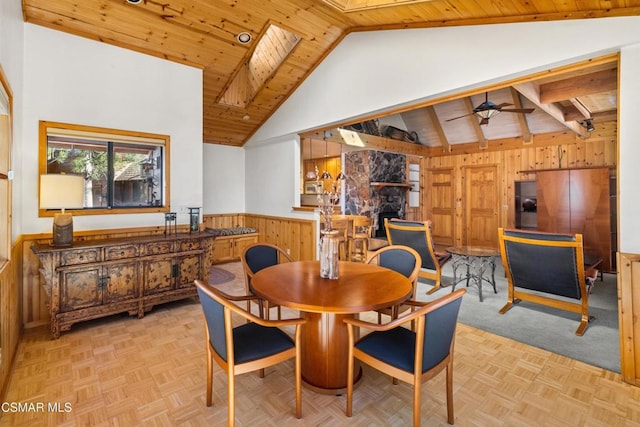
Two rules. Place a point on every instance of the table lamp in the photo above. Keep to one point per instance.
(59, 191)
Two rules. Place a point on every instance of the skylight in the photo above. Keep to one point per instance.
(271, 51)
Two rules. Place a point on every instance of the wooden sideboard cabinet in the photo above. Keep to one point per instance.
(229, 248)
(97, 278)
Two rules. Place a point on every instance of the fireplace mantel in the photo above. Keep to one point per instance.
(391, 184)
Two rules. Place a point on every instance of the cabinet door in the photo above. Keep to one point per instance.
(189, 269)
(122, 282)
(158, 275)
(222, 249)
(590, 214)
(241, 243)
(80, 288)
(554, 201)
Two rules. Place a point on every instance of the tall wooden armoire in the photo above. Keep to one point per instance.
(580, 201)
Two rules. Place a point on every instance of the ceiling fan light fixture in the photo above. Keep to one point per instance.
(486, 110)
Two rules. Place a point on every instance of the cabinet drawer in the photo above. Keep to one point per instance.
(189, 245)
(157, 248)
(80, 256)
(120, 252)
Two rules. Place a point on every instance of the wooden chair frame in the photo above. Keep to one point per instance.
(537, 239)
(265, 306)
(431, 264)
(374, 257)
(417, 377)
(359, 241)
(229, 366)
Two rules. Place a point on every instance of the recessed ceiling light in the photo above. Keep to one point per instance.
(134, 1)
(244, 37)
(246, 117)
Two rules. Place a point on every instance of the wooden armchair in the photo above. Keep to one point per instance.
(254, 258)
(411, 357)
(249, 347)
(417, 235)
(550, 264)
(405, 261)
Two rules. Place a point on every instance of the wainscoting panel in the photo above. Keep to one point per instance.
(628, 303)
(10, 324)
(296, 235)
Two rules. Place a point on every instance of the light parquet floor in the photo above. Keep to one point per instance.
(124, 371)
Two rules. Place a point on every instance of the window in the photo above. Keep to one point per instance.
(124, 172)
(414, 180)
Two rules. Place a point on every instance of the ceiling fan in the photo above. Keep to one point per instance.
(488, 109)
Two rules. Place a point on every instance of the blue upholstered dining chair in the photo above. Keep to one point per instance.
(254, 258)
(249, 347)
(412, 357)
(405, 261)
(417, 235)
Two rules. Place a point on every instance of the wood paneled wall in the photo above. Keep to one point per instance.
(629, 301)
(297, 235)
(10, 322)
(516, 161)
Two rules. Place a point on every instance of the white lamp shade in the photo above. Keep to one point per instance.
(59, 191)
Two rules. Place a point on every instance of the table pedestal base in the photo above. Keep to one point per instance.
(325, 347)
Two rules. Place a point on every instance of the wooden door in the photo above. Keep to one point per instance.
(440, 205)
(481, 206)
(554, 201)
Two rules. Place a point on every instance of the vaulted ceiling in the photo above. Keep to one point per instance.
(244, 81)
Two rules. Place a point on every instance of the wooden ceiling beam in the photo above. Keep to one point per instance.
(530, 91)
(482, 140)
(371, 142)
(522, 120)
(605, 116)
(444, 141)
(587, 84)
(584, 111)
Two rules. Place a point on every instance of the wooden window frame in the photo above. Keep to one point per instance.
(117, 134)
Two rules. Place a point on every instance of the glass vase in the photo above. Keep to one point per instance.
(329, 254)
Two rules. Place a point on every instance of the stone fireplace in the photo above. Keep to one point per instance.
(376, 186)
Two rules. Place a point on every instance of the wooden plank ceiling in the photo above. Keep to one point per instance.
(244, 83)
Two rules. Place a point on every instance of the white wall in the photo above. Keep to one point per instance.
(628, 170)
(272, 184)
(74, 80)
(370, 72)
(224, 177)
(12, 62)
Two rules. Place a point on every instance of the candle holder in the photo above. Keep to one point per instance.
(169, 223)
(194, 220)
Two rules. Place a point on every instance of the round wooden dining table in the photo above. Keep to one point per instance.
(325, 303)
